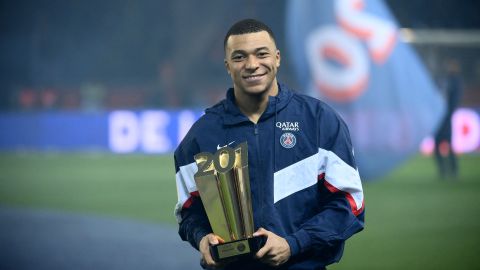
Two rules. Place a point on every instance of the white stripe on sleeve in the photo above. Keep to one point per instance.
(304, 174)
(185, 185)
(295, 177)
(342, 176)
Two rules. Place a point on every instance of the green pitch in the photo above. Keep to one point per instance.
(134, 186)
(413, 219)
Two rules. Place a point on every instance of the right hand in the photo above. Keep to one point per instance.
(204, 247)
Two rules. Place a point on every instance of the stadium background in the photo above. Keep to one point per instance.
(78, 200)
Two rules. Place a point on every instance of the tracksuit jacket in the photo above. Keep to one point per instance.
(304, 183)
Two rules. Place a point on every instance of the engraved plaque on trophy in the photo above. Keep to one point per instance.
(224, 187)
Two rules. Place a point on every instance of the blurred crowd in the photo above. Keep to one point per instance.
(148, 54)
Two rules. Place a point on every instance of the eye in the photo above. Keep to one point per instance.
(262, 54)
(238, 57)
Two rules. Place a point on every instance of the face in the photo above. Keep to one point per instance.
(252, 60)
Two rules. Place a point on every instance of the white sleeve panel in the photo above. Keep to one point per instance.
(185, 186)
(342, 176)
(304, 174)
(295, 177)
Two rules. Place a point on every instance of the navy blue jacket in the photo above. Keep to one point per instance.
(303, 177)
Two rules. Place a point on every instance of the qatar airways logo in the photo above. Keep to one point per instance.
(288, 126)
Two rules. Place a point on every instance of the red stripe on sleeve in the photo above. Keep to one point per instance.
(353, 205)
(330, 187)
(189, 201)
(348, 196)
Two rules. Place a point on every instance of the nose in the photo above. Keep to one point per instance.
(251, 63)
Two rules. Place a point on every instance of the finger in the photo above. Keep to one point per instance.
(263, 252)
(266, 248)
(208, 258)
(260, 232)
(220, 239)
(213, 240)
(205, 250)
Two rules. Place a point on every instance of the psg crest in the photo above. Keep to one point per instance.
(288, 140)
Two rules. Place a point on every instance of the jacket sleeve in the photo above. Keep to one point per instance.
(189, 211)
(342, 207)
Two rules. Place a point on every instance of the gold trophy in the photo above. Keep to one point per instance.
(224, 186)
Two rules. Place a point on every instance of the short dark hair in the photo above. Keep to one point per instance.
(247, 26)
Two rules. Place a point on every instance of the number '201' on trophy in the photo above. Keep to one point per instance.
(223, 183)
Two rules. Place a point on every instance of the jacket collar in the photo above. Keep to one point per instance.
(232, 115)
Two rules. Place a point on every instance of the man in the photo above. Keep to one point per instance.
(445, 156)
(306, 193)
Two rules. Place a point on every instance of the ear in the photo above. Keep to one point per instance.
(227, 66)
(278, 58)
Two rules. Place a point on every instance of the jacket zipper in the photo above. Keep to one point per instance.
(260, 183)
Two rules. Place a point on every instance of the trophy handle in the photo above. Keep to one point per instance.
(238, 248)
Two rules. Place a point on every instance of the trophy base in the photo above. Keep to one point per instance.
(238, 248)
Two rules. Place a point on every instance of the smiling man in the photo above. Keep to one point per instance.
(307, 195)
(252, 61)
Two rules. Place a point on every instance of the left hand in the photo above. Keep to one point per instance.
(276, 250)
(207, 261)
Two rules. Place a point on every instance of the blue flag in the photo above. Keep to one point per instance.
(348, 54)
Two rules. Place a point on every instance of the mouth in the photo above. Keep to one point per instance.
(254, 77)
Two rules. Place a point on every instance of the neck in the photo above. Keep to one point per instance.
(253, 106)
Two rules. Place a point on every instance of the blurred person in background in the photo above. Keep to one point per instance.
(451, 87)
(307, 195)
